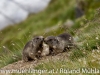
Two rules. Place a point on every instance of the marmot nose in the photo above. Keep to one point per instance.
(45, 41)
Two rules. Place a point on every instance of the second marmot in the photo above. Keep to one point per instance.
(60, 43)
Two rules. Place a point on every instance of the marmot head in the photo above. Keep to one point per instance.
(52, 41)
(37, 40)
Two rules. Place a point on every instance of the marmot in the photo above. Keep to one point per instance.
(32, 49)
(59, 43)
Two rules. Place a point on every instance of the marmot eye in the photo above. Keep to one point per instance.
(54, 39)
(37, 38)
(50, 39)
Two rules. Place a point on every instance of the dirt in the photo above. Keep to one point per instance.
(20, 65)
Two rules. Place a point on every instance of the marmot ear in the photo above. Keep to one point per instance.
(31, 42)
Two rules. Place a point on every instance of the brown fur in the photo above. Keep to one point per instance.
(59, 43)
(33, 49)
